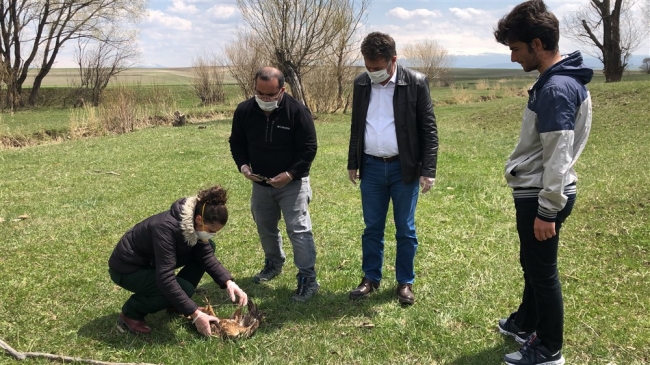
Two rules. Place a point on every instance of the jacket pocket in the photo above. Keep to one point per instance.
(510, 170)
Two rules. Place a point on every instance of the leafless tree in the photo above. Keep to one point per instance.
(329, 82)
(298, 33)
(611, 30)
(345, 50)
(101, 59)
(208, 79)
(645, 65)
(431, 58)
(645, 14)
(4, 77)
(245, 56)
(328, 85)
(33, 31)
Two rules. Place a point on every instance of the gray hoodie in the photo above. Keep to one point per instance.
(554, 132)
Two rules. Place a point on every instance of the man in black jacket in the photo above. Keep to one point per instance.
(393, 146)
(273, 143)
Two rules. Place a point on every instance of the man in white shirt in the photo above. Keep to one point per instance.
(393, 149)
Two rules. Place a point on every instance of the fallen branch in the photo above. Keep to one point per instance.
(23, 355)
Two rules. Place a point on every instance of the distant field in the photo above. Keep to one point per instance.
(145, 76)
(183, 76)
(54, 111)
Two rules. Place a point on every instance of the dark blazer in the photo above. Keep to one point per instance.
(415, 124)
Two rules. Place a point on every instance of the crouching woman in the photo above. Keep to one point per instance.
(146, 258)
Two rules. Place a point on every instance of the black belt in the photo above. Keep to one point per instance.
(386, 159)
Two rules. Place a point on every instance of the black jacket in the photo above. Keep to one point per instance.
(283, 141)
(165, 242)
(415, 124)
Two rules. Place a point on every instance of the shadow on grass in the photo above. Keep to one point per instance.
(104, 329)
(274, 301)
(493, 355)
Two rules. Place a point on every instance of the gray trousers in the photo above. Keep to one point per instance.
(268, 204)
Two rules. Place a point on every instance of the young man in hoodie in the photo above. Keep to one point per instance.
(540, 170)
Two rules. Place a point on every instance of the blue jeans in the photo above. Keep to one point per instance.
(542, 307)
(381, 183)
(292, 202)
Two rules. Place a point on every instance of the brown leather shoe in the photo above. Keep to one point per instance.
(132, 325)
(366, 287)
(405, 294)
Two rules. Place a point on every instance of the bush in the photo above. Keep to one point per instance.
(208, 80)
(121, 111)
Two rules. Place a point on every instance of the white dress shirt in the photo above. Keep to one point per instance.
(380, 137)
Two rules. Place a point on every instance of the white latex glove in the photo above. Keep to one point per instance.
(235, 292)
(426, 183)
(202, 322)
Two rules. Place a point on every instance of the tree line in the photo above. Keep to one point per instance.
(34, 31)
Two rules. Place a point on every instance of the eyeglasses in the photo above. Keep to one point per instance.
(268, 97)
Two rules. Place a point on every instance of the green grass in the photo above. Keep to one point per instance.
(82, 195)
(53, 116)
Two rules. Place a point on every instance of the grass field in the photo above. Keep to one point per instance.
(172, 90)
(80, 196)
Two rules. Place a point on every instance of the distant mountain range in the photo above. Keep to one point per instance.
(150, 65)
(502, 61)
(490, 60)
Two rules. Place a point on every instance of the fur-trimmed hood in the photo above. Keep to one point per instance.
(185, 207)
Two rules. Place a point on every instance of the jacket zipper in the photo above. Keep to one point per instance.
(266, 133)
(269, 131)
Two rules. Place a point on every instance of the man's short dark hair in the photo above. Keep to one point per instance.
(378, 46)
(268, 73)
(527, 21)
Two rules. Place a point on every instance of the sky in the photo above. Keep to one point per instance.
(174, 32)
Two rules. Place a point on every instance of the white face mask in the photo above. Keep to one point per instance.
(204, 236)
(379, 76)
(267, 106)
